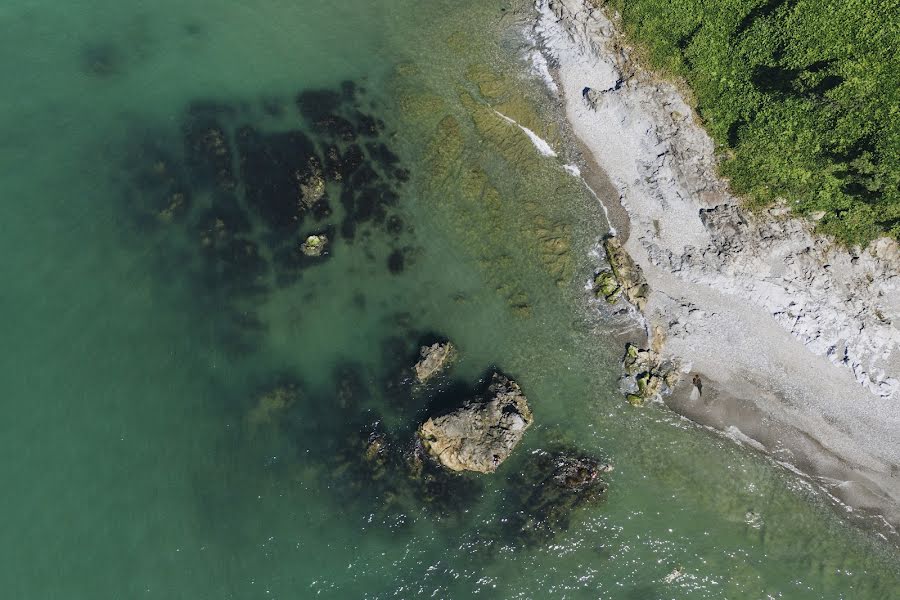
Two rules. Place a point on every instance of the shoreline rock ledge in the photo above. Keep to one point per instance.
(482, 433)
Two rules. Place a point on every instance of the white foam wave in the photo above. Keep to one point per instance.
(574, 171)
(541, 144)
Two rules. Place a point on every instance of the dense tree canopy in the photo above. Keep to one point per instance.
(802, 96)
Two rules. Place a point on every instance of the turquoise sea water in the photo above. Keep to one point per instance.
(137, 463)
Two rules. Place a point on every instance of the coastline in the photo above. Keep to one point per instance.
(793, 337)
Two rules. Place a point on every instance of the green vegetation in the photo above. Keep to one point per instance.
(803, 97)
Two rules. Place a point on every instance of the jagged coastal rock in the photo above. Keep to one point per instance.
(648, 375)
(434, 359)
(482, 433)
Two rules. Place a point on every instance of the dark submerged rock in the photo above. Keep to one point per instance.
(443, 494)
(208, 154)
(380, 153)
(401, 174)
(396, 262)
(368, 125)
(351, 160)
(333, 164)
(351, 389)
(222, 221)
(348, 229)
(394, 225)
(102, 59)
(240, 195)
(348, 90)
(553, 485)
(239, 266)
(273, 107)
(275, 168)
(335, 126)
(321, 210)
(159, 191)
(317, 104)
(393, 479)
(363, 176)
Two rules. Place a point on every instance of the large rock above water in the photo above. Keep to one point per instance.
(481, 434)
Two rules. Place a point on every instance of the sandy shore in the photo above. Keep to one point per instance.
(795, 339)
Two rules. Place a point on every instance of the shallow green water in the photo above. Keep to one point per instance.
(133, 465)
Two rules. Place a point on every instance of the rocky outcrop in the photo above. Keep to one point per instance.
(482, 433)
(434, 359)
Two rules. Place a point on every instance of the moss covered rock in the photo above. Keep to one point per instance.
(627, 273)
(647, 374)
(606, 286)
(314, 245)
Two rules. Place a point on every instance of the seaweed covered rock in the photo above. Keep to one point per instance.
(377, 454)
(366, 459)
(554, 486)
(434, 359)
(647, 374)
(607, 287)
(482, 433)
(626, 273)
